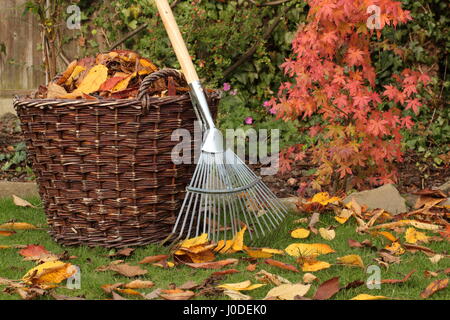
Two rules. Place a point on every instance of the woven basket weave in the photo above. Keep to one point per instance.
(104, 167)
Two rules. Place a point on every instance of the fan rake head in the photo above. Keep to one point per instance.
(223, 195)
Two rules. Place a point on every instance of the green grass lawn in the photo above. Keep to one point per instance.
(88, 259)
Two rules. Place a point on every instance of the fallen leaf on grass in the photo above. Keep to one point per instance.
(281, 265)
(315, 266)
(352, 260)
(241, 286)
(313, 221)
(4, 233)
(413, 236)
(258, 253)
(385, 234)
(251, 267)
(189, 285)
(176, 294)
(306, 249)
(117, 296)
(33, 251)
(139, 284)
(164, 264)
(395, 248)
(433, 287)
(324, 198)
(436, 258)
(126, 270)
(236, 295)
(64, 297)
(405, 278)
(126, 252)
(327, 234)
(238, 240)
(213, 265)
(17, 226)
(153, 259)
(224, 272)
(309, 278)
(21, 202)
(270, 278)
(388, 258)
(364, 296)
(300, 233)
(153, 295)
(129, 291)
(288, 291)
(429, 274)
(327, 289)
(52, 272)
(415, 247)
(343, 216)
(108, 288)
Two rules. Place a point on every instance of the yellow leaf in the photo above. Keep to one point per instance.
(123, 84)
(288, 291)
(241, 286)
(344, 215)
(55, 91)
(300, 233)
(236, 295)
(91, 83)
(204, 256)
(385, 234)
(412, 236)
(309, 278)
(327, 234)
(17, 226)
(395, 248)
(201, 239)
(324, 198)
(273, 251)
(364, 296)
(258, 253)
(315, 266)
(424, 226)
(49, 272)
(238, 240)
(225, 246)
(308, 249)
(76, 71)
(352, 260)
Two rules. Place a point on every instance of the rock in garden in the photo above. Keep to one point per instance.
(385, 197)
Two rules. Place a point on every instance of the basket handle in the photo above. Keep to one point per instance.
(160, 74)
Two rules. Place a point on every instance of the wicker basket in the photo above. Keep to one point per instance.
(104, 167)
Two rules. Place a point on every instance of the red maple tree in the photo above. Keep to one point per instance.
(332, 75)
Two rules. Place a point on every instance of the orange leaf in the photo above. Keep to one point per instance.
(281, 265)
(33, 251)
(153, 259)
(405, 278)
(212, 265)
(434, 287)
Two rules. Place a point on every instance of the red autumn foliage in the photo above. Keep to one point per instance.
(332, 76)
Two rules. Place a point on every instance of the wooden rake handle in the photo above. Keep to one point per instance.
(177, 40)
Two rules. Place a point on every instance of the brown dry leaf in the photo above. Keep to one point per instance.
(117, 296)
(189, 285)
(281, 265)
(224, 272)
(139, 284)
(415, 247)
(164, 264)
(327, 289)
(127, 270)
(270, 278)
(352, 260)
(64, 297)
(176, 294)
(433, 287)
(300, 233)
(313, 221)
(429, 274)
(213, 265)
(153, 259)
(125, 252)
(17, 226)
(108, 288)
(436, 258)
(388, 258)
(327, 234)
(251, 267)
(391, 281)
(288, 291)
(354, 206)
(54, 91)
(309, 278)
(236, 295)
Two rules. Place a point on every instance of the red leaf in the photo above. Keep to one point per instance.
(33, 251)
(327, 289)
(109, 84)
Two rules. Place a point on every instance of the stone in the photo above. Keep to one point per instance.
(385, 197)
